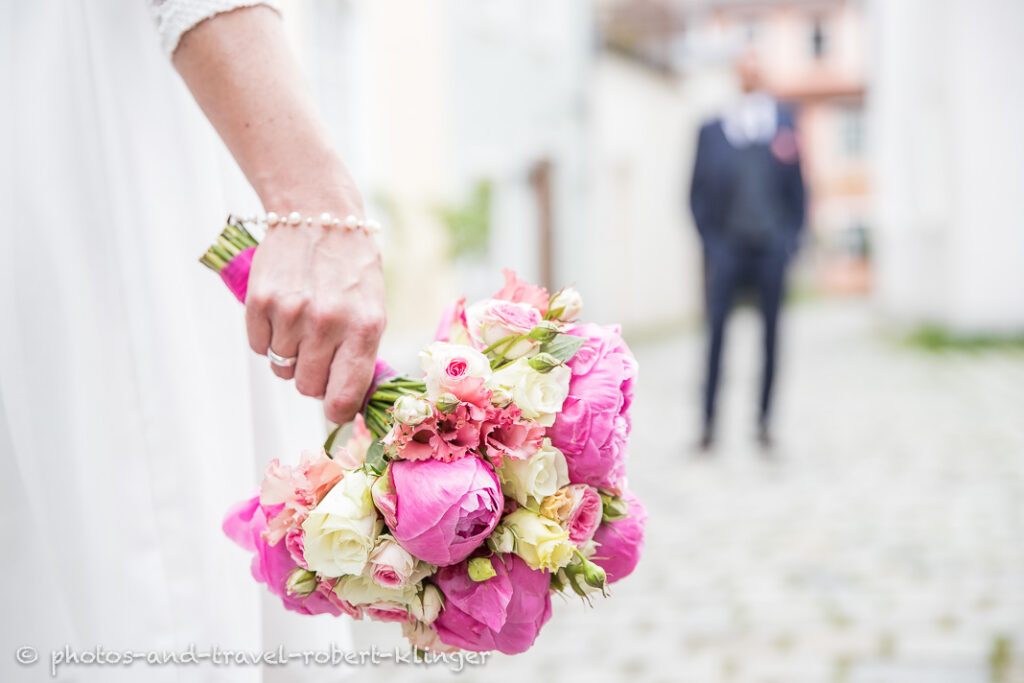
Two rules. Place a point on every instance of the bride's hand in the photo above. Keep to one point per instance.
(317, 293)
(314, 292)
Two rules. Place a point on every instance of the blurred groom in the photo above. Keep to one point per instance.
(747, 198)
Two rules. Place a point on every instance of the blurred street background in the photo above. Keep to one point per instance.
(883, 539)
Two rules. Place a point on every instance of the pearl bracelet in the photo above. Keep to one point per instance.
(295, 218)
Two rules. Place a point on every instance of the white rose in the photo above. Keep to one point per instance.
(535, 478)
(412, 410)
(448, 365)
(341, 530)
(570, 301)
(538, 395)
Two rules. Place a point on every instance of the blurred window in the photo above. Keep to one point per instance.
(750, 30)
(851, 132)
(818, 37)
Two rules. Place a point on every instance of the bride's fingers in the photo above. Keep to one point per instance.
(318, 349)
(351, 373)
(285, 334)
(257, 323)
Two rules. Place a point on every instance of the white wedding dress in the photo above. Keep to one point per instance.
(132, 412)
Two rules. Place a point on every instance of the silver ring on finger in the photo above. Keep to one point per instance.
(281, 361)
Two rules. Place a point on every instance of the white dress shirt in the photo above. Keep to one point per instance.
(754, 118)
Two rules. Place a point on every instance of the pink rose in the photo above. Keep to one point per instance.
(585, 515)
(454, 369)
(593, 426)
(505, 612)
(294, 541)
(495, 319)
(620, 543)
(508, 435)
(390, 564)
(577, 508)
(245, 524)
(523, 292)
(439, 511)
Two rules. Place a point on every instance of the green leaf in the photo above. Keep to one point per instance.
(330, 444)
(563, 347)
(375, 458)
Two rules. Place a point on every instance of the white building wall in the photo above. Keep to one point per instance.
(947, 92)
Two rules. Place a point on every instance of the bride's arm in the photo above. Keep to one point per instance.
(314, 292)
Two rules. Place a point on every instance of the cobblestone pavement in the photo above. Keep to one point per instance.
(884, 542)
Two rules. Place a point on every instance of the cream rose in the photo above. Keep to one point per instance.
(341, 530)
(449, 366)
(540, 541)
(538, 395)
(536, 477)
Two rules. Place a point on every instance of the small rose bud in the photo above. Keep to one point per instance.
(593, 574)
(558, 580)
(500, 396)
(566, 305)
(412, 410)
(446, 402)
(544, 363)
(501, 540)
(613, 509)
(544, 332)
(481, 569)
(427, 604)
(301, 582)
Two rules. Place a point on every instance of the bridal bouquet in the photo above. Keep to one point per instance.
(466, 497)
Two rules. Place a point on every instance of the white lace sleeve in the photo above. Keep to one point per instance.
(175, 17)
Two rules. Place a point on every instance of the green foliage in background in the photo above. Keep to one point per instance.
(936, 338)
(469, 223)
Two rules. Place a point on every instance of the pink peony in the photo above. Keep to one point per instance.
(293, 491)
(505, 612)
(523, 292)
(508, 435)
(439, 511)
(593, 426)
(245, 524)
(620, 543)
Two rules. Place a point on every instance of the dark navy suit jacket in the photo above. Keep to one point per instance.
(715, 177)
